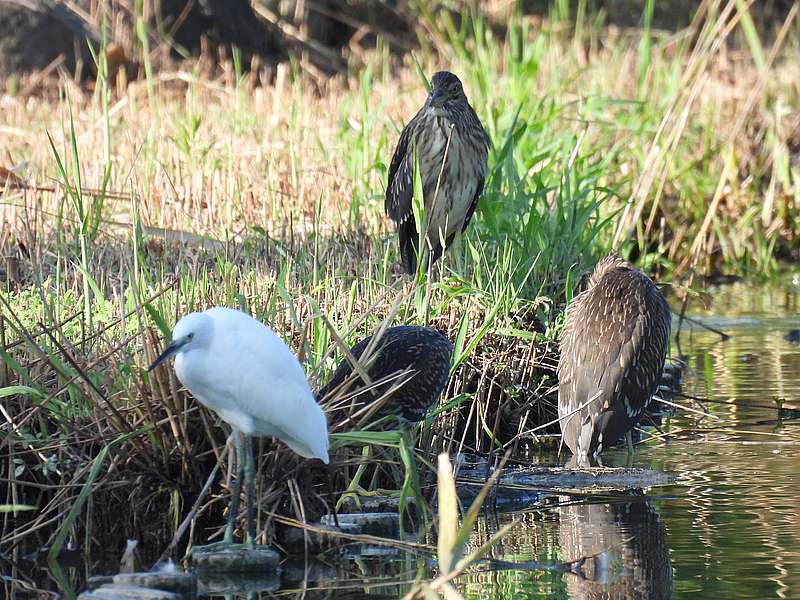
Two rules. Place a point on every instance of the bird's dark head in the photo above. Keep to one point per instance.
(445, 89)
(611, 262)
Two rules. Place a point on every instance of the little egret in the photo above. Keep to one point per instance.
(240, 369)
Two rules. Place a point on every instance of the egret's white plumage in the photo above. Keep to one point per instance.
(239, 368)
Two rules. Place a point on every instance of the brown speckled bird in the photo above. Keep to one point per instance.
(423, 351)
(451, 191)
(613, 347)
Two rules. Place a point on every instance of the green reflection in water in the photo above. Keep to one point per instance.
(730, 527)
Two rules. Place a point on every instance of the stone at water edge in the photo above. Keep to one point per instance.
(377, 523)
(587, 479)
(184, 584)
(114, 591)
(236, 584)
(236, 560)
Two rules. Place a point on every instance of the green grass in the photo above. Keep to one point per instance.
(180, 192)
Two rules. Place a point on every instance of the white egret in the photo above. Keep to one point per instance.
(240, 369)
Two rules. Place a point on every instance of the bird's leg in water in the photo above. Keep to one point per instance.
(236, 492)
(233, 505)
(629, 442)
(249, 476)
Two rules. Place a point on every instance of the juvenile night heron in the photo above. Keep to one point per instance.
(451, 148)
(242, 370)
(613, 347)
(413, 360)
(408, 368)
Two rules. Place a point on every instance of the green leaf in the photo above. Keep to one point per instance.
(751, 35)
(7, 508)
(376, 438)
(158, 320)
(421, 73)
(21, 390)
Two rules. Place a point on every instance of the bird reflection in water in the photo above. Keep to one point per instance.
(623, 546)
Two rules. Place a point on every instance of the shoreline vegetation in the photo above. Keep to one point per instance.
(129, 203)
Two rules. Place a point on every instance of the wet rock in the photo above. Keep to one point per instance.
(181, 583)
(374, 523)
(298, 540)
(302, 569)
(793, 336)
(114, 591)
(372, 551)
(376, 504)
(260, 559)
(34, 33)
(587, 479)
(238, 584)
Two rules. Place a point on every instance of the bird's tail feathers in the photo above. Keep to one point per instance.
(407, 233)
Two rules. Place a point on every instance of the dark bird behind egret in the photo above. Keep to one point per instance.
(408, 368)
(240, 369)
(413, 360)
(613, 347)
(451, 148)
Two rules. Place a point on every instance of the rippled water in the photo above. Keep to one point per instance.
(730, 525)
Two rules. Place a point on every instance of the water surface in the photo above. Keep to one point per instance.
(730, 525)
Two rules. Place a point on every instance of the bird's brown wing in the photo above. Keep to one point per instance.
(484, 140)
(400, 185)
(474, 204)
(345, 369)
(610, 346)
(399, 194)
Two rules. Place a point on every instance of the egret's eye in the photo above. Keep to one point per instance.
(190, 336)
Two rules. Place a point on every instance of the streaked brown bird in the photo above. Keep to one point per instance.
(451, 146)
(419, 356)
(613, 347)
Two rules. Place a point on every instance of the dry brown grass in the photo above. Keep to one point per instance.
(269, 197)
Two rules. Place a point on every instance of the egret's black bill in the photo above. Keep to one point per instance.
(168, 351)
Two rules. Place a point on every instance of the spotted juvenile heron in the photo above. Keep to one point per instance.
(419, 357)
(613, 347)
(408, 368)
(451, 148)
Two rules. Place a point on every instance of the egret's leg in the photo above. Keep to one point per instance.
(331, 473)
(236, 492)
(249, 477)
(233, 504)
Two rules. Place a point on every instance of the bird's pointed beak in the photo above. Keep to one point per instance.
(168, 351)
(436, 98)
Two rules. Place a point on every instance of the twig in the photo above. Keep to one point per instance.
(682, 317)
(192, 513)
